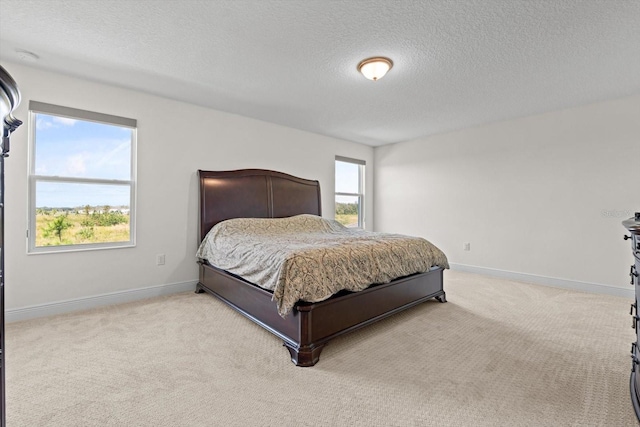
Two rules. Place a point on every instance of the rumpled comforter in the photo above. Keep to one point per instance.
(309, 258)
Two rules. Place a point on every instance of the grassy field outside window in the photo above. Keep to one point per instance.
(56, 227)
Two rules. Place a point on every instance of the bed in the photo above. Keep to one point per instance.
(258, 193)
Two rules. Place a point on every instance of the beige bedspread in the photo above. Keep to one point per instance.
(310, 258)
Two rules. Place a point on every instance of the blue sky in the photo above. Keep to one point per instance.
(346, 177)
(80, 149)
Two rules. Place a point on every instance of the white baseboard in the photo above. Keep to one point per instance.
(85, 303)
(594, 288)
(60, 307)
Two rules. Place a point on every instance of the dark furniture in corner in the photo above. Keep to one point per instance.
(257, 193)
(633, 225)
(9, 100)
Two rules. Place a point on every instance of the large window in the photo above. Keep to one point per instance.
(81, 179)
(350, 192)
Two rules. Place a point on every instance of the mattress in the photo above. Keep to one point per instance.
(309, 258)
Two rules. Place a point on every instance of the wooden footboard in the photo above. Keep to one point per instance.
(308, 328)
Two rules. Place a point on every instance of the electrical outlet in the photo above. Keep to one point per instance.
(160, 259)
(467, 246)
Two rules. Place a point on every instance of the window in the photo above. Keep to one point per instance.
(350, 192)
(81, 179)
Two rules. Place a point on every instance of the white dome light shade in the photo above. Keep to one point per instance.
(375, 68)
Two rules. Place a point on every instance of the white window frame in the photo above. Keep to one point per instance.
(36, 107)
(360, 194)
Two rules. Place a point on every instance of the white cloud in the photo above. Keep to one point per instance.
(42, 124)
(108, 157)
(42, 170)
(76, 165)
(64, 121)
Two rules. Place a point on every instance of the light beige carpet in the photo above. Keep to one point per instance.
(499, 353)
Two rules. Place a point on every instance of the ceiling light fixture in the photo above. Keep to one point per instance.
(375, 68)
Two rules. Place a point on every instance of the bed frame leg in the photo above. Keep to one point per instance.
(199, 289)
(442, 298)
(304, 356)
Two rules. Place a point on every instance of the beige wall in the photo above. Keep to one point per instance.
(175, 139)
(541, 195)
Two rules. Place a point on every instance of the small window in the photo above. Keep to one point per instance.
(350, 192)
(81, 179)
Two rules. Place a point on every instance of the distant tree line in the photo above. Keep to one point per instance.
(98, 216)
(347, 208)
(86, 209)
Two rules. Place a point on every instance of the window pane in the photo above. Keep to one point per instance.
(347, 177)
(347, 210)
(81, 149)
(75, 214)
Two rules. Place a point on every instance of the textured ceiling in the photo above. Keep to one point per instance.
(458, 63)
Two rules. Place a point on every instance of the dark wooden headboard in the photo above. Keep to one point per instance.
(254, 193)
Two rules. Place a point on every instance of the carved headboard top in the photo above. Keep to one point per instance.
(254, 193)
